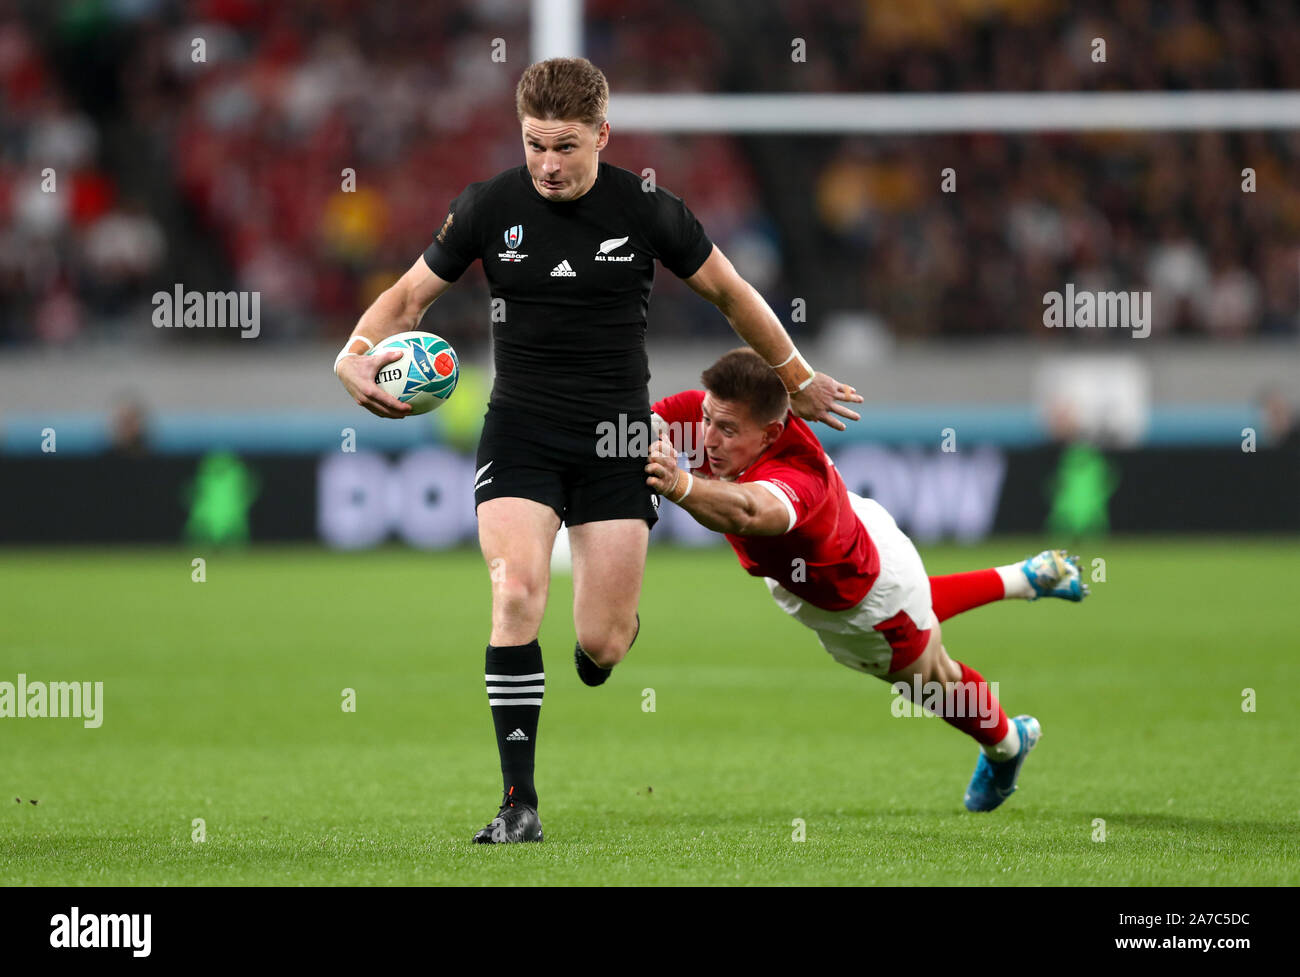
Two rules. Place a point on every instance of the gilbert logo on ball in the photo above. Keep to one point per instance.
(426, 374)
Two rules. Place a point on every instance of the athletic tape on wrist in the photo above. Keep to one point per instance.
(347, 349)
(783, 373)
(690, 484)
(777, 366)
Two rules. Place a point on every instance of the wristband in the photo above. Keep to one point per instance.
(795, 372)
(347, 349)
(690, 484)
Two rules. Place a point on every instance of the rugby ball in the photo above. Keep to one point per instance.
(426, 374)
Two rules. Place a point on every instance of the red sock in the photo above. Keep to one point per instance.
(959, 592)
(978, 705)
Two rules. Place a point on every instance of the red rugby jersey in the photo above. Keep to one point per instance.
(840, 561)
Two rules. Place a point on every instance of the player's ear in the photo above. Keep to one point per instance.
(602, 136)
(772, 431)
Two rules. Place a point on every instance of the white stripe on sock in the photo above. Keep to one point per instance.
(515, 678)
(514, 702)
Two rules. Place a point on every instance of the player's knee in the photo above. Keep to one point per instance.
(607, 647)
(603, 653)
(519, 597)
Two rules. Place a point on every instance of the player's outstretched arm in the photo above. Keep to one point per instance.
(397, 309)
(813, 396)
(742, 509)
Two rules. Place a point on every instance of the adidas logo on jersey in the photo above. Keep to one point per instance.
(517, 736)
(562, 270)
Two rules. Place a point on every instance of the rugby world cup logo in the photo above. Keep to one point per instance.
(433, 368)
(515, 236)
(421, 359)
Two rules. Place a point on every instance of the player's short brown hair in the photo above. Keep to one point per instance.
(745, 377)
(563, 88)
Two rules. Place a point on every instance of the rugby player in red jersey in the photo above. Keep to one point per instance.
(837, 562)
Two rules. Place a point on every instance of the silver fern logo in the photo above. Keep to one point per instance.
(613, 244)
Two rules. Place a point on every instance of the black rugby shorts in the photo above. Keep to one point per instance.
(569, 470)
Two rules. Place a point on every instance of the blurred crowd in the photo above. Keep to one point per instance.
(72, 245)
(307, 149)
(1161, 213)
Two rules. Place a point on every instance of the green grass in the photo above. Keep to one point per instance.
(222, 702)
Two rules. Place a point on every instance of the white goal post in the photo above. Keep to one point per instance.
(556, 31)
(937, 113)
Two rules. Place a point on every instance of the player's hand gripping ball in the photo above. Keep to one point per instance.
(426, 374)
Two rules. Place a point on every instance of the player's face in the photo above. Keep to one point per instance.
(562, 156)
(733, 440)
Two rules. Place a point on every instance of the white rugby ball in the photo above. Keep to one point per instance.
(426, 374)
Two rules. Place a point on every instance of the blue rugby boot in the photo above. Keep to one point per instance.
(994, 782)
(1054, 573)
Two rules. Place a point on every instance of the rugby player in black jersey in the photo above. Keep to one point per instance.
(568, 244)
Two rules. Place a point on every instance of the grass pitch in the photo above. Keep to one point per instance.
(222, 701)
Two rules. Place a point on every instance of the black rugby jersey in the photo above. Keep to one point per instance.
(575, 277)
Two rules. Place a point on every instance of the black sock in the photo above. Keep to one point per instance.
(515, 684)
